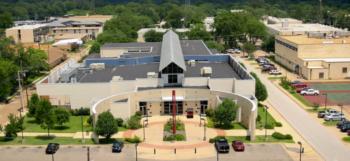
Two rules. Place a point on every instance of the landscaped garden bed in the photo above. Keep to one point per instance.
(180, 131)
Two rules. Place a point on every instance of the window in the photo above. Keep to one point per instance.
(86, 31)
(321, 75)
(172, 68)
(286, 45)
(345, 70)
(172, 78)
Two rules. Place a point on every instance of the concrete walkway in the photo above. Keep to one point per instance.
(325, 143)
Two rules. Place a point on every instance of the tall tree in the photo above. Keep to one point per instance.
(45, 115)
(106, 125)
(260, 89)
(14, 126)
(225, 113)
(33, 104)
(153, 36)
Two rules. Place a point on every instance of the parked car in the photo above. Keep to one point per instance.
(334, 117)
(52, 148)
(342, 122)
(298, 90)
(238, 145)
(117, 146)
(345, 128)
(321, 114)
(348, 132)
(274, 72)
(222, 146)
(267, 68)
(298, 84)
(309, 92)
(189, 113)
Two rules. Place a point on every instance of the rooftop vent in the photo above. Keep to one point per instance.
(206, 71)
(151, 75)
(97, 66)
(192, 63)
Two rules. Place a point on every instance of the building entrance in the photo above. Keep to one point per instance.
(167, 107)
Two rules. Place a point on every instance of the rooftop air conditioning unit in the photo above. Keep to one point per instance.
(192, 63)
(151, 75)
(206, 71)
(97, 66)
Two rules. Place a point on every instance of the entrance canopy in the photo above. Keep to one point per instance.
(170, 98)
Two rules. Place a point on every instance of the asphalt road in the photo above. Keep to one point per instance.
(253, 152)
(324, 142)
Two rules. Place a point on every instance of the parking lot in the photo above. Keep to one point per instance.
(254, 152)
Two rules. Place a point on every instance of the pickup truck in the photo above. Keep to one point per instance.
(222, 146)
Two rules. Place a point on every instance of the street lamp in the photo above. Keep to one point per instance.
(136, 150)
(266, 108)
(144, 133)
(82, 129)
(341, 109)
(204, 130)
(300, 149)
(19, 73)
(325, 100)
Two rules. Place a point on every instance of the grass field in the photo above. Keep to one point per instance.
(235, 125)
(262, 114)
(74, 125)
(43, 140)
(330, 123)
(258, 139)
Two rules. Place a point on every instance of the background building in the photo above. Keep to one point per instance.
(36, 33)
(316, 55)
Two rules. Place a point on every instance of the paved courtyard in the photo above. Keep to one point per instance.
(254, 152)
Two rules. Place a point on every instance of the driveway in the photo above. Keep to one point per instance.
(324, 142)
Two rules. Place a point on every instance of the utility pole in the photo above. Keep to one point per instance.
(82, 129)
(21, 99)
(320, 16)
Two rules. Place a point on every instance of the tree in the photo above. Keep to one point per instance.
(45, 116)
(14, 126)
(95, 47)
(225, 113)
(62, 115)
(175, 17)
(5, 21)
(8, 73)
(33, 104)
(198, 32)
(106, 125)
(153, 36)
(215, 45)
(269, 44)
(260, 89)
(249, 48)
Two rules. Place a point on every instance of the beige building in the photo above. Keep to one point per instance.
(28, 33)
(315, 56)
(142, 76)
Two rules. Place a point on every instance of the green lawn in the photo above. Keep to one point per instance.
(74, 125)
(258, 139)
(330, 123)
(235, 125)
(262, 116)
(301, 99)
(43, 140)
(346, 139)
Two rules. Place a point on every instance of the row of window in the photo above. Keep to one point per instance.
(286, 45)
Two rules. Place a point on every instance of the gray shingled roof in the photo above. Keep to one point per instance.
(171, 51)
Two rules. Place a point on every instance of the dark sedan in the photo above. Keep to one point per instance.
(117, 146)
(222, 146)
(52, 148)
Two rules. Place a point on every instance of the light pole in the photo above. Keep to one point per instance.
(204, 130)
(82, 129)
(266, 108)
(217, 155)
(21, 99)
(325, 100)
(52, 157)
(300, 149)
(144, 133)
(88, 153)
(341, 109)
(136, 150)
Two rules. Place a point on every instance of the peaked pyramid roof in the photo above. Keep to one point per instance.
(171, 51)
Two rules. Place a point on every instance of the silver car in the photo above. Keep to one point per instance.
(334, 117)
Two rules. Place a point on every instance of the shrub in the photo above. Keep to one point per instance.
(209, 112)
(134, 121)
(135, 139)
(81, 111)
(281, 136)
(176, 137)
(89, 120)
(119, 121)
(278, 124)
(269, 126)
